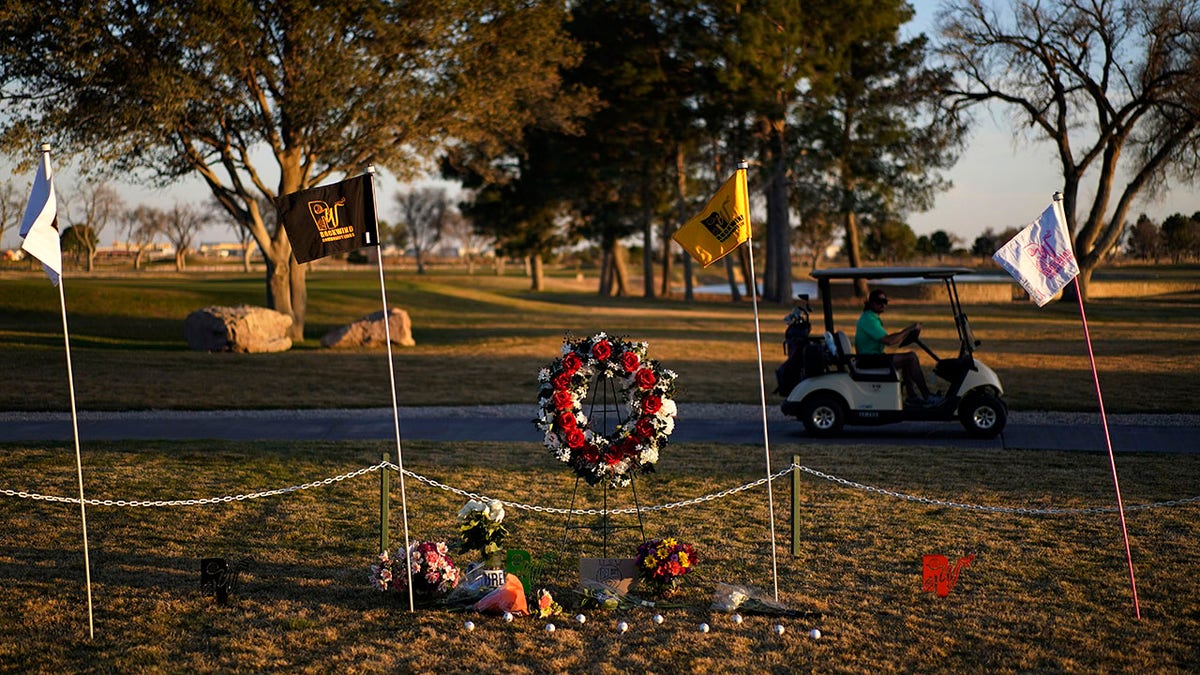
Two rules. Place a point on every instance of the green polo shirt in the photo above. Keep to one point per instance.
(869, 333)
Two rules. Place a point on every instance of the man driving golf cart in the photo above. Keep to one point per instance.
(827, 384)
(870, 338)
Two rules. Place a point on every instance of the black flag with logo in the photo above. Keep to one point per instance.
(330, 219)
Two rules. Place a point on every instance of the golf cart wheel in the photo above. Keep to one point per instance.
(823, 415)
(983, 414)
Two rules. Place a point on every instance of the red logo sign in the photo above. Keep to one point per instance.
(940, 576)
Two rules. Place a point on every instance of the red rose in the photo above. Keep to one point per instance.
(563, 399)
(575, 439)
(589, 454)
(613, 459)
(566, 420)
(644, 429)
(630, 361)
(562, 381)
(651, 404)
(602, 350)
(571, 363)
(645, 378)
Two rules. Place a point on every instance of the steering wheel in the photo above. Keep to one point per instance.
(914, 335)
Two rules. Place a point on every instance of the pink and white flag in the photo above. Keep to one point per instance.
(39, 227)
(1040, 256)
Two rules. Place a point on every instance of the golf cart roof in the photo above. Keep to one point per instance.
(890, 272)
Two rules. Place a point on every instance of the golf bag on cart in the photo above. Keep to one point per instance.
(803, 354)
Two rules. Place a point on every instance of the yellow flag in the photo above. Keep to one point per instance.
(722, 226)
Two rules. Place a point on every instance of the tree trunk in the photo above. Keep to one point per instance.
(777, 271)
(537, 283)
(734, 294)
(689, 292)
(647, 250)
(852, 251)
(748, 278)
(621, 273)
(604, 283)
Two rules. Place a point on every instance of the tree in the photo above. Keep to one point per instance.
(1145, 239)
(78, 241)
(877, 130)
(1181, 237)
(236, 91)
(424, 212)
(95, 206)
(12, 207)
(181, 224)
(889, 241)
(142, 225)
(941, 243)
(984, 245)
(473, 243)
(1114, 85)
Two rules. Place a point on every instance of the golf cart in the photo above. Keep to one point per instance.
(826, 390)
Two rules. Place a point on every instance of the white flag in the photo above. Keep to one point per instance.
(39, 228)
(1040, 256)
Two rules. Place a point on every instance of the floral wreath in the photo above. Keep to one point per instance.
(646, 388)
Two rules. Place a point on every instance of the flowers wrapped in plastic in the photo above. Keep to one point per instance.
(601, 596)
(433, 572)
(749, 600)
(508, 598)
(482, 528)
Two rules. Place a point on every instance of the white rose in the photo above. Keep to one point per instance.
(497, 510)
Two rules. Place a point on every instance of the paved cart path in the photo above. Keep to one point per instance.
(737, 424)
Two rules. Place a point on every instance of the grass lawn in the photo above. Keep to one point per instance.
(1044, 593)
(482, 339)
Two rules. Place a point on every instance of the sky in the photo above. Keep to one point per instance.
(999, 182)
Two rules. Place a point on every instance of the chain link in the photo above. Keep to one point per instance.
(561, 511)
(194, 502)
(595, 512)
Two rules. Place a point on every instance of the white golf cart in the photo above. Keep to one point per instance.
(830, 391)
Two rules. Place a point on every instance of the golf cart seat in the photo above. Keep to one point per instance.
(846, 356)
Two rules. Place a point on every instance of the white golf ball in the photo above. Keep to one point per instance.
(508, 617)
(814, 634)
(737, 618)
(658, 618)
(581, 618)
(779, 629)
(470, 625)
(622, 627)
(703, 628)
(549, 628)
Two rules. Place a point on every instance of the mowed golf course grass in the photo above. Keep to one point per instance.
(1048, 589)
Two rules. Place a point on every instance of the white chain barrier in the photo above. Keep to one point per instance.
(555, 510)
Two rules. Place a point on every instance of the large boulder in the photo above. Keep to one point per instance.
(369, 331)
(243, 329)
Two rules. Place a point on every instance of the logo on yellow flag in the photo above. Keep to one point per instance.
(722, 226)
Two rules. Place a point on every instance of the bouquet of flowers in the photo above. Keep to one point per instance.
(735, 598)
(547, 607)
(482, 527)
(433, 573)
(662, 563)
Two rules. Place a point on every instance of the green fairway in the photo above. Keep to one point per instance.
(481, 339)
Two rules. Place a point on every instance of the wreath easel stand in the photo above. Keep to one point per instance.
(604, 394)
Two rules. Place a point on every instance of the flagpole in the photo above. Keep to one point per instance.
(387, 329)
(57, 278)
(1112, 461)
(87, 567)
(762, 387)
